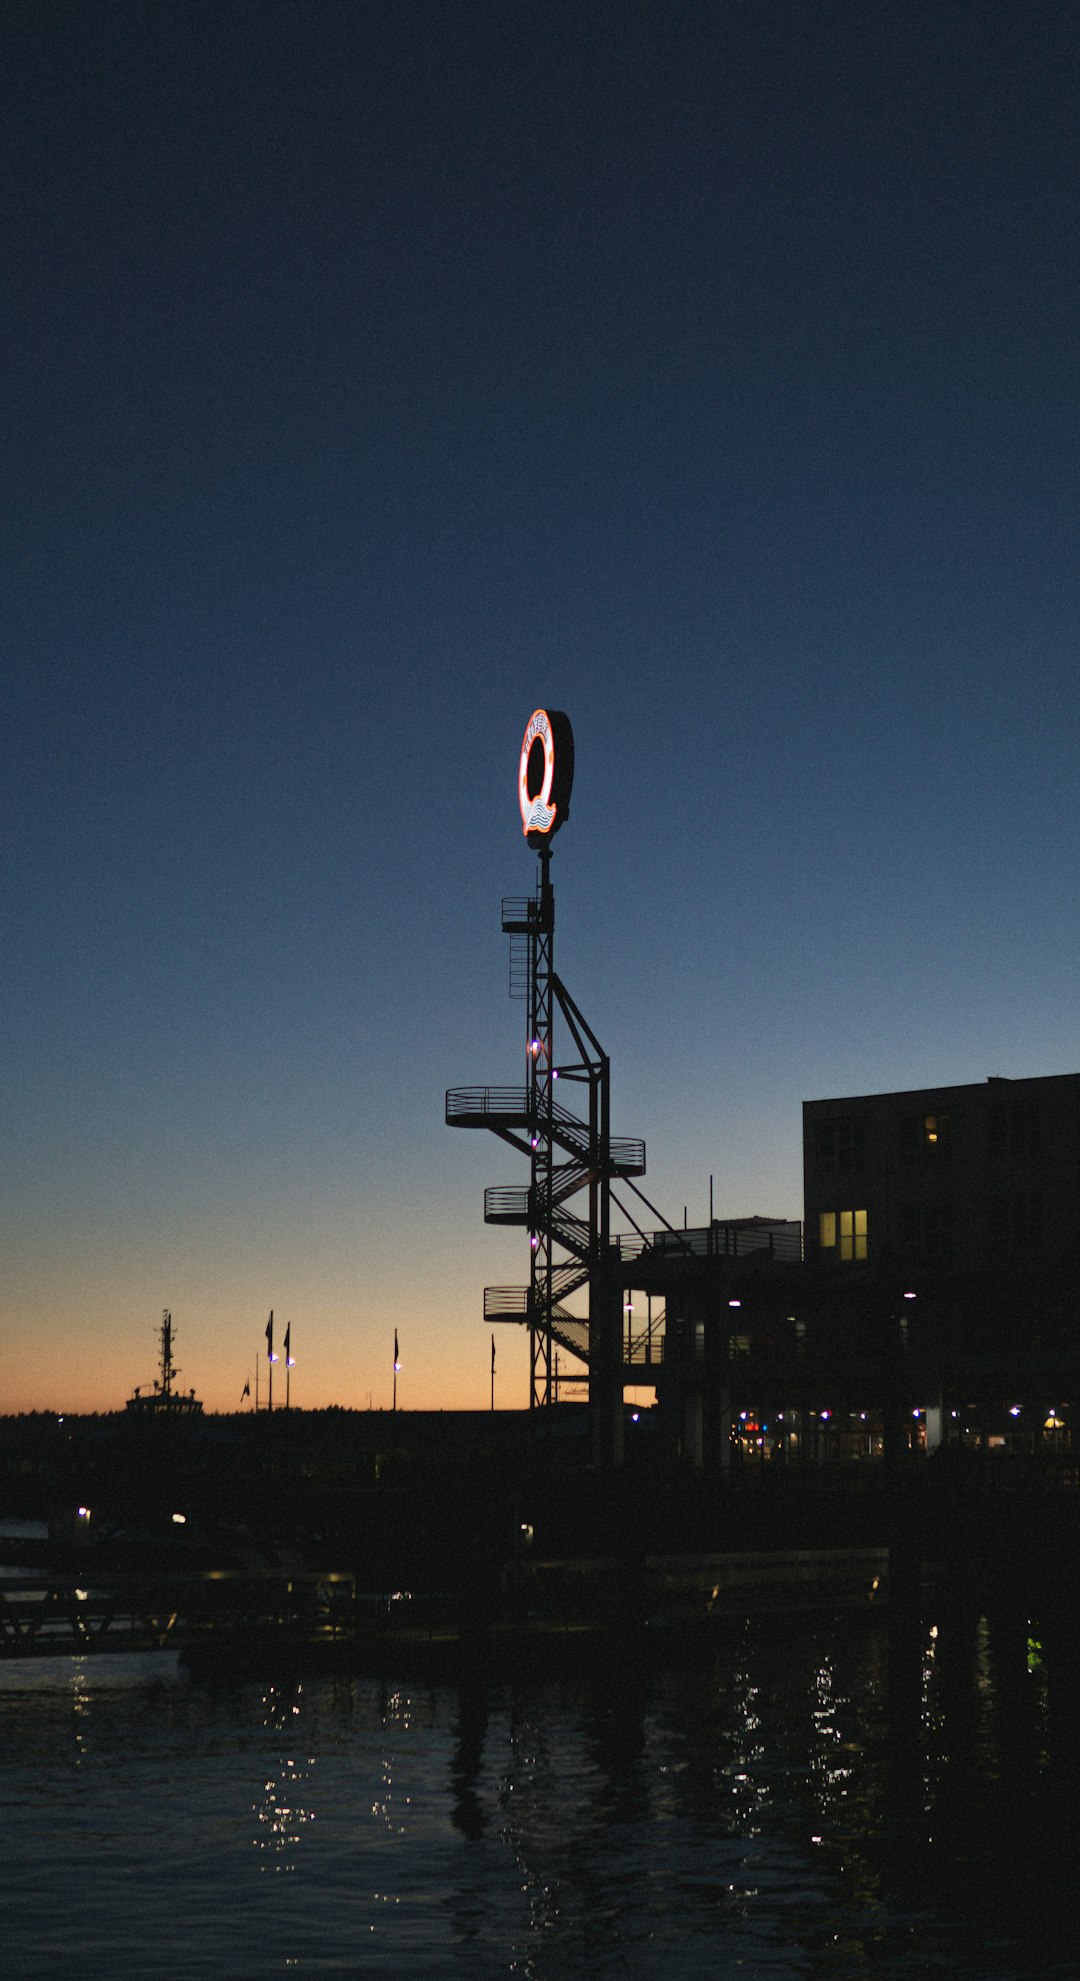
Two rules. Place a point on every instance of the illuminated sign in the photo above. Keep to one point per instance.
(545, 774)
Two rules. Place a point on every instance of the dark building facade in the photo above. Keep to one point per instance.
(980, 1178)
(934, 1298)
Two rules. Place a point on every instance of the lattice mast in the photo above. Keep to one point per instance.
(539, 1054)
(169, 1370)
(568, 1156)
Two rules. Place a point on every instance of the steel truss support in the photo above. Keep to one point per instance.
(571, 1156)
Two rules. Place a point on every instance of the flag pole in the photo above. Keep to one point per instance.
(288, 1362)
(397, 1365)
(270, 1357)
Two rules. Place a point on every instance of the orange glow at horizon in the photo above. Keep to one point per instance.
(75, 1361)
(54, 1366)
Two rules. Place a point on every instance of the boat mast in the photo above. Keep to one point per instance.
(168, 1367)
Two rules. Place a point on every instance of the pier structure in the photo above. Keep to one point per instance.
(573, 1300)
(925, 1304)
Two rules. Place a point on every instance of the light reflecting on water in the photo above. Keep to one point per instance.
(284, 1807)
(795, 1806)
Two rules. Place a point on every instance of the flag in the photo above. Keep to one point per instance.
(397, 1363)
(246, 1391)
(270, 1335)
(493, 1354)
(288, 1332)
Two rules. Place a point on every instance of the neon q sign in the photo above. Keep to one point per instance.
(545, 774)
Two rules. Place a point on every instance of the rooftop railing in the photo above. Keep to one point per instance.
(737, 1240)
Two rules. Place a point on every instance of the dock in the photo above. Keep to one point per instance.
(243, 1623)
(44, 1615)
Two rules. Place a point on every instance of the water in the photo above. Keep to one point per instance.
(770, 1810)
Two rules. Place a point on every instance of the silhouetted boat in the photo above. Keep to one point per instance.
(162, 1400)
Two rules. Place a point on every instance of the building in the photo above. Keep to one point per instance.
(932, 1297)
(974, 1177)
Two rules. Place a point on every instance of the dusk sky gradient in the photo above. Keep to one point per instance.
(376, 372)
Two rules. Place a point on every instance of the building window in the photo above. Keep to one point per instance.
(926, 1135)
(840, 1144)
(1013, 1131)
(928, 1231)
(853, 1234)
(1016, 1225)
(843, 1233)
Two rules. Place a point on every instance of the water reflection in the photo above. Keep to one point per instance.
(881, 1780)
(468, 1813)
(802, 1801)
(283, 1809)
(970, 1828)
(80, 1706)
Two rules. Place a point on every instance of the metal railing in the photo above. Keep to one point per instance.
(43, 1614)
(469, 1106)
(506, 1303)
(469, 1103)
(646, 1350)
(506, 1203)
(716, 1241)
(520, 914)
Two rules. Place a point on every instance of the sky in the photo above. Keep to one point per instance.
(375, 372)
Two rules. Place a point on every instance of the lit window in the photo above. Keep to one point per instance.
(847, 1226)
(853, 1234)
(924, 1135)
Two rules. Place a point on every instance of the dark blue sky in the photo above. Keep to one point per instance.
(377, 372)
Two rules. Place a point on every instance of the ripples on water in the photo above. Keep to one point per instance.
(771, 1811)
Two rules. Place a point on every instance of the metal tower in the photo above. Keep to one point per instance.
(566, 1206)
(163, 1400)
